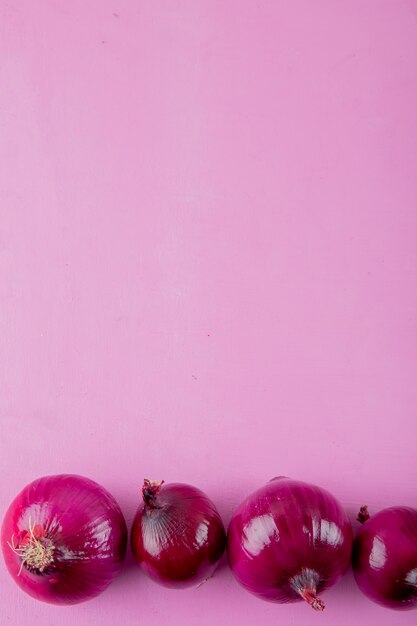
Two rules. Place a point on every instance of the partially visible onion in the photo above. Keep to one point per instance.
(288, 541)
(64, 539)
(385, 557)
(177, 534)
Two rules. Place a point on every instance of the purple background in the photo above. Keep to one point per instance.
(208, 266)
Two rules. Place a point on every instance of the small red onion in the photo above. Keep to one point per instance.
(64, 539)
(177, 534)
(385, 557)
(288, 541)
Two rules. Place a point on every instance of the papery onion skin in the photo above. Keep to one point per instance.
(385, 557)
(177, 534)
(288, 541)
(79, 532)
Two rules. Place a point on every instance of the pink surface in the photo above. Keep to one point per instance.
(208, 266)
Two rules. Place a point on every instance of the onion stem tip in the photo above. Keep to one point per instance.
(363, 514)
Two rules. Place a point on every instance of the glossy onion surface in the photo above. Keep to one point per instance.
(64, 539)
(385, 558)
(288, 541)
(177, 535)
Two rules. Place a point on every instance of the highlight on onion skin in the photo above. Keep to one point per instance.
(385, 557)
(177, 534)
(289, 541)
(64, 539)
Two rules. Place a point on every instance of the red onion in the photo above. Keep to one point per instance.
(177, 534)
(64, 539)
(288, 541)
(385, 557)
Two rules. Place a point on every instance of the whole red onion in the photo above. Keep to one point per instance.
(385, 557)
(288, 541)
(64, 539)
(177, 534)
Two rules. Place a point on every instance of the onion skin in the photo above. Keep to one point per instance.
(64, 539)
(288, 541)
(177, 535)
(385, 558)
